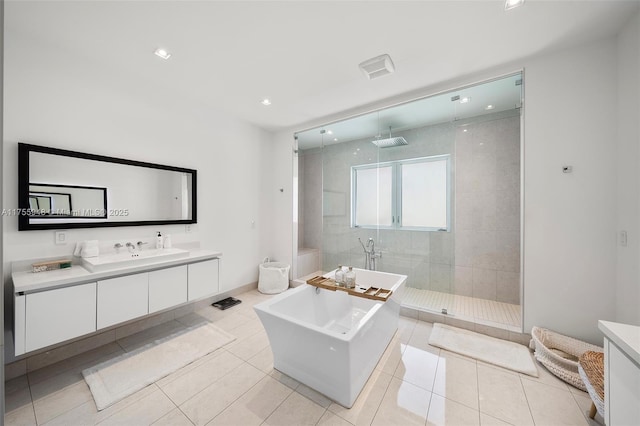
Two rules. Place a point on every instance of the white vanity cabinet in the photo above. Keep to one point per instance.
(54, 306)
(56, 315)
(167, 288)
(203, 279)
(121, 299)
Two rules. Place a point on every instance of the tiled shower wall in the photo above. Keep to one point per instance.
(487, 234)
(480, 257)
(310, 199)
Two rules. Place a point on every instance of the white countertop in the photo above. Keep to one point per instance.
(27, 281)
(625, 336)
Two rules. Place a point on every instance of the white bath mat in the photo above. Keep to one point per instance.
(494, 351)
(117, 378)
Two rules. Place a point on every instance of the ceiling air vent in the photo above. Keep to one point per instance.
(377, 67)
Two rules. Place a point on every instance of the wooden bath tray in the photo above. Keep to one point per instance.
(373, 293)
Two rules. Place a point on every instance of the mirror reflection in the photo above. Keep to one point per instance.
(55, 201)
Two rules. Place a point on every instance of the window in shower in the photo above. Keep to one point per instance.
(372, 194)
(411, 194)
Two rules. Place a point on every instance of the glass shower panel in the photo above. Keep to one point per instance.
(347, 148)
(420, 245)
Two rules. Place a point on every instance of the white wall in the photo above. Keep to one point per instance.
(628, 276)
(56, 99)
(569, 219)
(284, 230)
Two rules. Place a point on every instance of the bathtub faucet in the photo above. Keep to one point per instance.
(370, 254)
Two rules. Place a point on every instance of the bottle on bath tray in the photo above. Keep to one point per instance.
(159, 240)
(350, 278)
(339, 275)
(167, 241)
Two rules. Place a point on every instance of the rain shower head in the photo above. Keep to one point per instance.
(390, 141)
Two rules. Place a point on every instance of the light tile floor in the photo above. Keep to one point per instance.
(414, 383)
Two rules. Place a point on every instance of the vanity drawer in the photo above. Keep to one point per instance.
(167, 288)
(203, 279)
(57, 315)
(121, 299)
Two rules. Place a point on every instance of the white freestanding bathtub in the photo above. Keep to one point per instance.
(329, 340)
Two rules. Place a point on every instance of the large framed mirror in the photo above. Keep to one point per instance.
(62, 189)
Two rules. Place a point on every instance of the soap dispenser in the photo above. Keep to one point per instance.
(339, 275)
(159, 241)
(350, 278)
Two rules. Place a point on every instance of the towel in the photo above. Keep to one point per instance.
(89, 252)
(87, 249)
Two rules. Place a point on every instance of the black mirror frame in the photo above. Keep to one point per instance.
(23, 189)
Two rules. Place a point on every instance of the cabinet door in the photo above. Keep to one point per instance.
(121, 299)
(54, 316)
(203, 279)
(167, 287)
(623, 399)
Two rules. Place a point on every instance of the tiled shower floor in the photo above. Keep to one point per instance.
(465, 308)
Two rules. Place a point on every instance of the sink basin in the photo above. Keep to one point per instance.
(122, 260)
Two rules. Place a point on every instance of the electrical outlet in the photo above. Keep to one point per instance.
(60, 237)
(187, 228)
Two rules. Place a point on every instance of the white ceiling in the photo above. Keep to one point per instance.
(304, 55)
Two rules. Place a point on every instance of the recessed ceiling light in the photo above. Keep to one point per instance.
(489, 107)
(266, 102)
(512, 4)
(330, 132)
(336, 140)
(162, 53)
(465, 100)
(465, 130)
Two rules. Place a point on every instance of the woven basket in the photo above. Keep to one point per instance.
(591, 369)
(560, 354)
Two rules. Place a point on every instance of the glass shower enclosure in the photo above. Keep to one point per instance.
(430, 189)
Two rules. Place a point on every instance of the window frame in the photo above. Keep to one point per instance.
(396, 193)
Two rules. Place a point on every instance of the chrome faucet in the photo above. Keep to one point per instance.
(140, 244)
(370, 254)
(130, 247)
